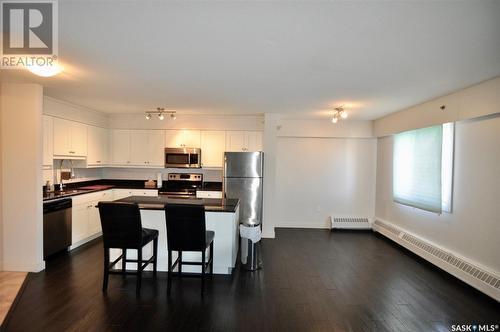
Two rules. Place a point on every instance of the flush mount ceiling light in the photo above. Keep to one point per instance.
(160, 112)
(339, 113)
(45, 71)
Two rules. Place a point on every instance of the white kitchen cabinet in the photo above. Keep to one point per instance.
(183, 138)
(138, 147)
(120, 147)
(79, 223)
(254, 141)
(208, 194)
(146, 148)
(237, 141)
(48, 140)
(98, 146)
(156, 148)
(70, 138)
(86, 221)
(212, 148)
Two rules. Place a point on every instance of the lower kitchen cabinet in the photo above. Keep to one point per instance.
(86, 222)
(122, 193)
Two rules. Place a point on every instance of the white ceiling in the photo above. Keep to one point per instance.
(247, 57)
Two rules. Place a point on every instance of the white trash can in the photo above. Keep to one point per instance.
(250, 247)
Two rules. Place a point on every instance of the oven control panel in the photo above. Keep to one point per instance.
(195, 177)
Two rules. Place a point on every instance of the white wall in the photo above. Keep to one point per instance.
(472, 229)
(478, 100)
(21, 148)
(321, 177)
(315, 169)
(68, 111)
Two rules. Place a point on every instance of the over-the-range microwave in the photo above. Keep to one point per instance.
(182, 158)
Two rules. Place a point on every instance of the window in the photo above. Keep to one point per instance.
(423, 168)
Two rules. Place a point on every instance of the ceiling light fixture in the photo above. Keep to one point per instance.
(160, 112)
(339, 113)
(45, 71)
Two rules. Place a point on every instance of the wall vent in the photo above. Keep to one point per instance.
(445, 258)
(350, 223)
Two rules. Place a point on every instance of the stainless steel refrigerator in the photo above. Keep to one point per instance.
(243, 179)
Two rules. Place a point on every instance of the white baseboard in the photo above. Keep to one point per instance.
(269, 234)
(483, 279)
(284, 224)
(79, 243)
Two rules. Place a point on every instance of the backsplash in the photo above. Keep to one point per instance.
(147, 174)
(87, 174)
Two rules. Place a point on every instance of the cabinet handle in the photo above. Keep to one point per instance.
(128, 161)
(98, 161)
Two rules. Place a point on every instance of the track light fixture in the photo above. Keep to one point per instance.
(160, 112)
(339, 113)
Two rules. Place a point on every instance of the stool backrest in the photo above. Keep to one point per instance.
(121, 224)
(186, 228)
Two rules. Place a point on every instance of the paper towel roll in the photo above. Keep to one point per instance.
(159, 180)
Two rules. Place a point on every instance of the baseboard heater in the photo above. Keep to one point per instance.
(485, 281)
(350, 223)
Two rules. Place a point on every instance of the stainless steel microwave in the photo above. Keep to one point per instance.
(182, 158)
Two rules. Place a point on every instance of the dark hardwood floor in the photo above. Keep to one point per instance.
(313, 280)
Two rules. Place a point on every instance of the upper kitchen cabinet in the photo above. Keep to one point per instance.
(48, 140)
(212, 148)
(254, 141)
(70, 138)
(98, 146)
(183, 138)
(120, 147)
(237, 141)
(138, 147)
(147, 147)
(156, 147)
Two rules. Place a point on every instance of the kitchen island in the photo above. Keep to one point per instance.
(221, 215)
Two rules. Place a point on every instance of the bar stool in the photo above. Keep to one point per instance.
(186, 231)
(122, 229)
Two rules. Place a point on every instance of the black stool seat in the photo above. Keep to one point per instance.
(122, 229)
(186, 231)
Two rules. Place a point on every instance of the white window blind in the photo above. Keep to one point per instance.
(417, 168)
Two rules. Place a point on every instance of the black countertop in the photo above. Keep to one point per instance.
(158, 203)
(80, 188)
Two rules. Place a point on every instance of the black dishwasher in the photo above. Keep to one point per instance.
(56, 226)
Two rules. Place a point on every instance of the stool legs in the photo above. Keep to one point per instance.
(179, 263)
(106, 270)
(169, 275)
(212, 259)
(139, 270)
(203, 267)
(155, 252)
(124, 261)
